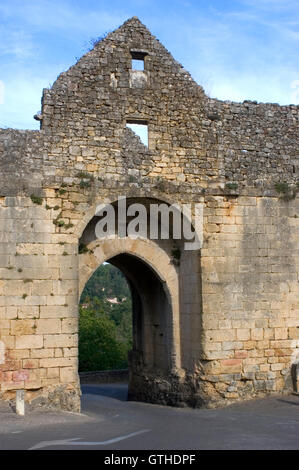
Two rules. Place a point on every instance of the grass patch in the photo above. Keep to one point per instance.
(36, 199)
(231, 186)
(286, 192)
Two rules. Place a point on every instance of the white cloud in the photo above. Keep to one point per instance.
(240, 54)
(23, 93)
(271, 4)
(16, 43)
(46, 15)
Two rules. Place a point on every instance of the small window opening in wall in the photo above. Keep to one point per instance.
(138, 60)
(138, 64)
(140, 128)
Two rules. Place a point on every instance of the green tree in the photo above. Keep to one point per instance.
(105, 327)
(99, 348)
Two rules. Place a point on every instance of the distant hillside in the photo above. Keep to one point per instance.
(106, 282)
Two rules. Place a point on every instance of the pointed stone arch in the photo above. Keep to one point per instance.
(165, 286)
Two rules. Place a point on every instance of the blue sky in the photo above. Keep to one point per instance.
(236, 49)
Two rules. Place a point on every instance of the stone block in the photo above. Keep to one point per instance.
(58, 362)
(280, 333)
(243, 334)
(62, 340)
(68, 375)
(48, 326)
(70, 325)
(257, 334)
(231, 366)
(294, 333)
(22, 327)
(42, 353)
(29, 342)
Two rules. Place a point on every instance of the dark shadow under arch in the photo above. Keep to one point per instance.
(151, 314)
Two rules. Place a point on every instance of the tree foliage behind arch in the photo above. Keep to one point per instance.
(105, 321)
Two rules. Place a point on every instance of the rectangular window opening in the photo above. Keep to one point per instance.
(140, 128)
(138, 60)
(138, 64)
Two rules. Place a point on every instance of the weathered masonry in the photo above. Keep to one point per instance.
(210, 326)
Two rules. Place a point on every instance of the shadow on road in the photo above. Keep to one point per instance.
(289, 402)
(116, 391)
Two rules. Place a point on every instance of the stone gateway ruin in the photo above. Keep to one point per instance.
(211, 326)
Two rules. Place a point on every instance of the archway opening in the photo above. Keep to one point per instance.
(105, 321)
(126, 321)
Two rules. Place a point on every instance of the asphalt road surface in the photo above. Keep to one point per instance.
(109, 422)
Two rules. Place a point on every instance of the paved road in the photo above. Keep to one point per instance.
(110, 422)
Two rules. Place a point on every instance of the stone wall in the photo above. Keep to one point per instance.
(238, 306)
(250, 294)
